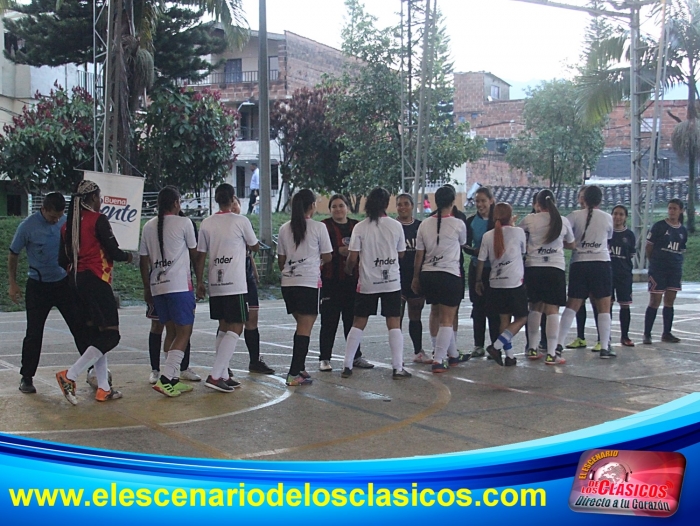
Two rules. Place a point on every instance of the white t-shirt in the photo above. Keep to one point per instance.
(600, 229)
(539, 253)
(170, 272)
(303, 265)
(379, 244)
(226, 236)
(445, 256)
(507, 272)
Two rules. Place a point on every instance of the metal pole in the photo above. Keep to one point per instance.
(264, 140)
(635, 130)
(417, 183)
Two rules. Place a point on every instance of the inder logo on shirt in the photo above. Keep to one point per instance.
(381, 262)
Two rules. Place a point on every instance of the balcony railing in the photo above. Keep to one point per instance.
(232, 77)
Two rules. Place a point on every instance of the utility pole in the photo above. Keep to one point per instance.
(264, 137)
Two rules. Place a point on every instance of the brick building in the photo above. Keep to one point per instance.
(482, 99)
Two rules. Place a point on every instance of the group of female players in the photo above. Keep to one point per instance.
(516, 277)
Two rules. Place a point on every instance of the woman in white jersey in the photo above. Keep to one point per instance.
(437, 274)
(590, 272)
(545, 275)
(303, 246)
(504, 247)
(225, 236)
(167, 244)
(379, 241)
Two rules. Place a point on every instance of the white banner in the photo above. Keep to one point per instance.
(122, 199)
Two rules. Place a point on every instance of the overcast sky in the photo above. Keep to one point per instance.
(521, 43)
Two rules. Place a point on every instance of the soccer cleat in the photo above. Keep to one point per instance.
(298, 380)
(92, 378)
(361, 363)
(154, 376)
(578, 343)
(302, 373)
(534, 354)
(608, 353)
(627, 342)
(347, 373)
(26, 385)
(495, 354)
(400, 375)
(598, 347)
(103, 396)
(218, 385)
(478, 352)
(559, 350)
(190, 376)
(669, 338)
(456, 360)
(260, 367)
(232, 383)
(510, 362)
(166, 389)
(647, 339)
(421, 357)
(554, 360)
(440, 367)
(542, 346)
(182, 387)
(325, 365)
(67, 386)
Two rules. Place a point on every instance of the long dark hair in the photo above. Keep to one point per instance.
(593, 196)
(301, 202)
(547, 202)
(444, 197)
(83, 192)
(676, 201)
(489, 195)
(167, 198)
(376, 204)
(224, 194)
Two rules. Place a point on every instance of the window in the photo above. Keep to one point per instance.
(274, 63)
(495, 92)
(234, 71)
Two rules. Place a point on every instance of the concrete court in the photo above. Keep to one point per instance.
(473, 406)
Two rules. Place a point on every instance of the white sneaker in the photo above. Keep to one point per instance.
(153, 377)
(421, 357)
(325, 365)
(92, 378)
(190, 376)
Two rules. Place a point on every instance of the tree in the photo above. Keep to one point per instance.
(556, 145)
(186, 139)
(309, 142)
(44, 145)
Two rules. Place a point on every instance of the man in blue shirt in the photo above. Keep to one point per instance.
(47, 283)
(254, 188)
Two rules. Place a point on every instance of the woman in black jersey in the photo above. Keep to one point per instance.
(622, 249)
(665, 247)
(338, 288)
(415, 302)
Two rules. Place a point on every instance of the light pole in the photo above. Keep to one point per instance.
(264, 140)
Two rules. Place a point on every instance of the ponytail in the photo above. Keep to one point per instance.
(503, 213)
(376, 204)
(167, 198)
(546, 201)
(302, 201)
(592, 197)
(444, 199)
(83, 191)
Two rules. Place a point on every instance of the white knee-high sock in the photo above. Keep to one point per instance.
(396, 346)
(567, 318)
(171, 368)
(102, 373)
(604, 322)
(82, 364)
(219, 336)
(351, 346)
(452, 351)
(533, 328)
(552, 333)
(442, 343)
(223, 355)
(433, 340)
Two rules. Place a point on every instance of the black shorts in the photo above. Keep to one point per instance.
(478, 302)
(622, 288)
(665, 278)
(546, 284)
(407, 292)
(590, 278)
(366, 304)
(251, 297)
(301, 300)
(97, 300)
(508, 301)
(231, 309)
(442, 288)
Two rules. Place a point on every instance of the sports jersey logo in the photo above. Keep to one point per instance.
(616, 251)
(592, 244)
(674, 246)
(223, 260)
(385, 275)
(410, 245)
(220, 275)
(435, 260)
(543, 250)
(162, 263)
(388, 261)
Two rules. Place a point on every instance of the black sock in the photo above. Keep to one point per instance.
(252, 341)
(581, 322)
(667, 313)
(154, 343)
(186, 359)
(415, 331)
(299, 351)
(543, 332)
(625, 317)
(649, 318)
